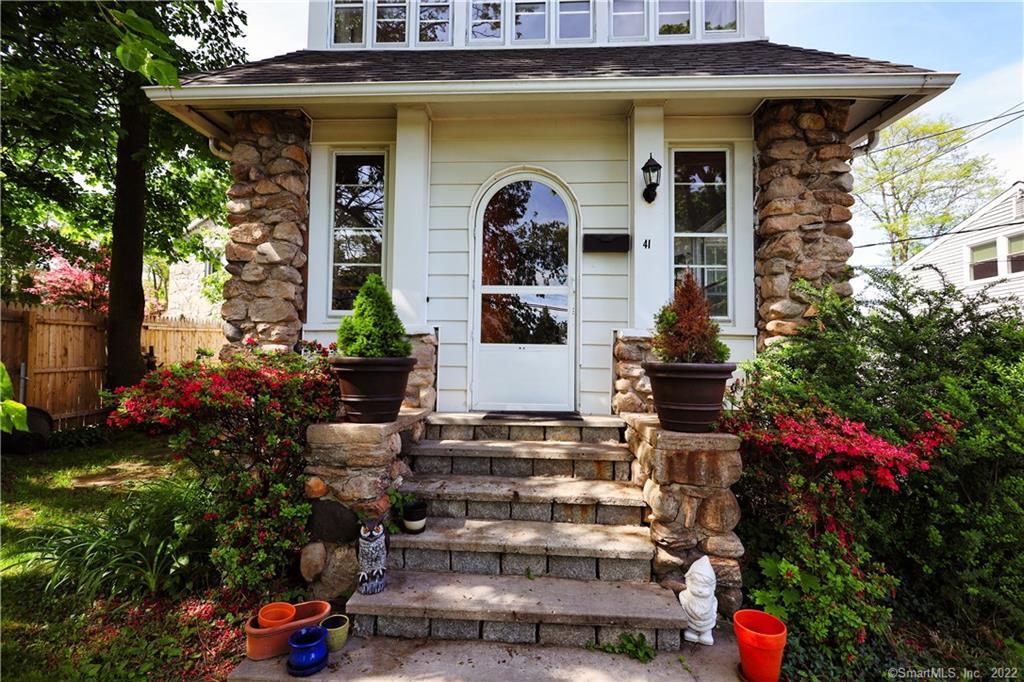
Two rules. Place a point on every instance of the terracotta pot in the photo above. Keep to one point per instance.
(761, 639)
(337, 631)
(276, 613)
(372, 389)
(261, 643)
(688, 395)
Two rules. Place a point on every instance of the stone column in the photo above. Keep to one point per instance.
(803, 208)
(351, 467)
(686, 479)
(421, 390)
(632, 385)
(268, 210)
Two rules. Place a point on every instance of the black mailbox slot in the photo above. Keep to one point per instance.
(606, 243)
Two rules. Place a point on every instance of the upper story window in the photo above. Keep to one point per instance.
(984, 261)
(575, 20)
(357, 248)
(348, 22)
(674, 17)
(720, 15)
(1015, 253)
(701, 235)
(485, 20)
(629, 18)
(435, 22)
(531, 20)
(392, 22)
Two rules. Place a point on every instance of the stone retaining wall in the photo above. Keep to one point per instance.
(351, 467)
(686, 479)
(268, 210)
(632, 387)
(421, 390)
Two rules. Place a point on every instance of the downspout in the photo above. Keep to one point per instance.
(221, 149)
(865, 148)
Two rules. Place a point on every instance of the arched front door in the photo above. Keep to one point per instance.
(524, 298)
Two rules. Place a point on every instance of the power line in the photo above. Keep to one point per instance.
(951, 130)
(936, 236)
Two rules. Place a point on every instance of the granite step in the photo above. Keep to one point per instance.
(507, 608)
(477, 426)
(492, 547)
(530, 498)
(600, 461)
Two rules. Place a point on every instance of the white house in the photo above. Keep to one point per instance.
(486, 157)
(985, 250)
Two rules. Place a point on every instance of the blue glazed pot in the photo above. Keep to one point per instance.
(309, 648)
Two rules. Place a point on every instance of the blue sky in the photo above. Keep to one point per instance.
(983, 41)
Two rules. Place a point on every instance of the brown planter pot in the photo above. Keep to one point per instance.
(372, 389)
(688, 395)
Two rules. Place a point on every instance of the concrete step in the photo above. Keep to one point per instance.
(531, 498)
(475, 426)
(491, 547)
(508, 608)
(600, 461)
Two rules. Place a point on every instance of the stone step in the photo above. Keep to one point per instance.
(531, 498)
(507, 608)
(601, 461)
(477, 426)
(491, 547)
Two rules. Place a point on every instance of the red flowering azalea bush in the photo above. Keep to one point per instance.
(242, 423)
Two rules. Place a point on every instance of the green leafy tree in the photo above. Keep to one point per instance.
(921, 182)
(373, 330)
(87, 158)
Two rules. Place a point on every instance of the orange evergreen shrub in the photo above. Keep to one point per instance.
(685, 331)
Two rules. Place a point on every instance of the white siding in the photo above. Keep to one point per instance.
(590, 155)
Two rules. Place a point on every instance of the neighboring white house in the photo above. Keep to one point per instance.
(186, 279)
(986, 249)
(487, 157)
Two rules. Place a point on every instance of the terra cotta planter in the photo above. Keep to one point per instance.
(688, 395)
(261, 643)
(372, 389)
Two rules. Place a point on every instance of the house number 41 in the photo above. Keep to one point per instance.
(647, 244)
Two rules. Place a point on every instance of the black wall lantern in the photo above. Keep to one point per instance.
(652, 178)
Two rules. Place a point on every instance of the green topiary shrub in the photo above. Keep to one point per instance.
(373, 330)
(685, 331)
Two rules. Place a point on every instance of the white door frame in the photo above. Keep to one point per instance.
(487, 190)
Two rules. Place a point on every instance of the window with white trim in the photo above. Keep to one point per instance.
(357, 235)
(674, 17)
(1015, 253)
(531, 20)
(701, 233)
(435, 17)
(485, 21)
(392, 22)
(720, 15)
(629, 18)
(575, 20)
(984, 260)
(348, 22)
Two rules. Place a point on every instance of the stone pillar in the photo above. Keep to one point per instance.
(686, 479)
(632, 386)
(268, 209)
(351, 467)
(421, 390)
(803, 208)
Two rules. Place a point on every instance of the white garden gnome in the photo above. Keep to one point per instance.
(699, 602)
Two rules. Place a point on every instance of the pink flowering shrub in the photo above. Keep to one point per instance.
(74, 282)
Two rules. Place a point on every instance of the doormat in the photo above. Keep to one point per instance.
(535, 416)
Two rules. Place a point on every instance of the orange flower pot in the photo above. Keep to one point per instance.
(261, 643)
(761, 639)
(276, 613)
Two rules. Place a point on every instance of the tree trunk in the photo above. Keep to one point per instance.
(125, 365)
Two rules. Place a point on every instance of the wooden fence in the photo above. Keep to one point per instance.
(65, 354)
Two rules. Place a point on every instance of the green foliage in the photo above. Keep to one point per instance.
(684, 330)
(153, 542)
(635, 646)
(80, 436)
(373, 330)
(13, 415)
(213, 285)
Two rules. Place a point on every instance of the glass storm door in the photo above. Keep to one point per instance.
(525, 300)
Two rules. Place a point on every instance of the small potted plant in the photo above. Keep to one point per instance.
(689, 382)
(372, 363)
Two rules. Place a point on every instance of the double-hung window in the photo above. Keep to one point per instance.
(674, 17)
(392, 22)
(701, 237)
(435, 22)
(1015, 253)
(720, 15)
(575, 20)
(348, 22)
(531, 20)
(629, 18)
(485, 20)
(984, 260)
(357, 237)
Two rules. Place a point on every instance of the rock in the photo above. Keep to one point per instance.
(843, 182)
(232, 333)
(784, 186)
(730, 600)
(339, 574)
(234, 309)
(785, 308)
(275, 288)
(727, 571)
(835, 151)
(315, 487)
(810, 269)
(628, 351)
(784, 223)
(254, 272)
(292, 182)
(810, 121)
(841, 230)
(272, 310)
(312, 561)
(775, 286)
(289, 232)
(286, 273)
(296, 154)
(244, 153)
(233, 251)
(836, 214)
(727, 545)
(785, 245)
(249, 233)
(374, 509)
(664, 502)
(627, 402)
(673, 535)
(775, 131)
(359, 488)
(786, 149)
(331, 521)
(274, 251)
(719, 513)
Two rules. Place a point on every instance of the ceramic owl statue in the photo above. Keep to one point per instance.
(373, 557)
(699, 602)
